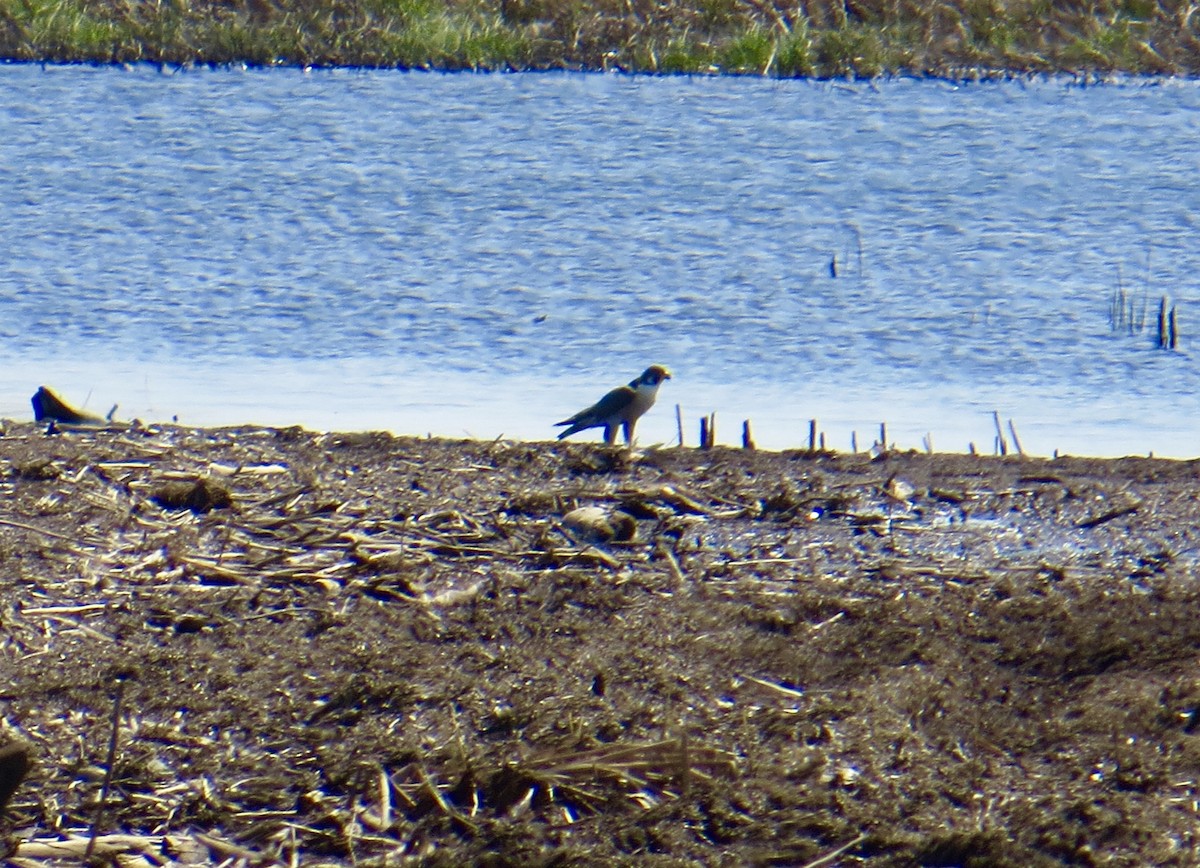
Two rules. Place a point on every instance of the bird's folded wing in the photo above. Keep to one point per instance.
(607, 407)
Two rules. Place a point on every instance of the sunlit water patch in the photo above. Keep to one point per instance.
(483, 255)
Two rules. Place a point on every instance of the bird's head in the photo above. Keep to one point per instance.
(654, 375)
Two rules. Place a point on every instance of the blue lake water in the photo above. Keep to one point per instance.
(482, 255)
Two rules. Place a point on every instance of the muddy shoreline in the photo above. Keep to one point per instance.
(366, 649)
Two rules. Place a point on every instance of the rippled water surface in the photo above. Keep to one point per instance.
(483, 254)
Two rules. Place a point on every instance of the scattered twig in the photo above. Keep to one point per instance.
(1012, 429)
(229, 849)
(832, 855)
(109, 764)
(7, 522)
(673, 565)
(1110, 515)
(1001, 443)
(790, 692)
(108, 847)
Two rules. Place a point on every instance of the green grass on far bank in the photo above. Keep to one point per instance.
(784, 38)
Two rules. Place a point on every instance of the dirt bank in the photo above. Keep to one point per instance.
(364, 649)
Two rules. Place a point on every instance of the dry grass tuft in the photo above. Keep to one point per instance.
(963, 38)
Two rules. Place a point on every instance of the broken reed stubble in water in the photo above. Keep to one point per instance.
(747, 436)
(1125, 314)
(1168, 335)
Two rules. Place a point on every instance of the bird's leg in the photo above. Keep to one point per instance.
(610, 434)
(627, 425)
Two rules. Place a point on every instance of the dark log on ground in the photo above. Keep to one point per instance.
(48, 406)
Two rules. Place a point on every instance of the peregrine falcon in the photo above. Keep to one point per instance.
(622, 407)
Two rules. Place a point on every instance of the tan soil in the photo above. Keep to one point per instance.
(389, 650)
